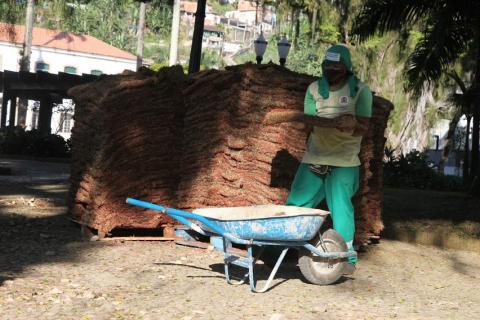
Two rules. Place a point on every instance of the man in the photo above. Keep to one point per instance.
(330, 166)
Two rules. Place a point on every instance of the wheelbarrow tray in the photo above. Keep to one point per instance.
(266, 222)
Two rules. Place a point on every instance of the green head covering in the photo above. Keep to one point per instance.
(337, 54)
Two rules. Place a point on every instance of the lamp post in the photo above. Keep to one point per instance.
(260, 47)
(283, 49)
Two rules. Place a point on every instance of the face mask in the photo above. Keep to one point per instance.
(335, 76)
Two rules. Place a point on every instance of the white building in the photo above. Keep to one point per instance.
(188, 10)
(251, 12)
(55, 51)
(438, 134)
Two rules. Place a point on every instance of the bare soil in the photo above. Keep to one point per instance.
(48, 270)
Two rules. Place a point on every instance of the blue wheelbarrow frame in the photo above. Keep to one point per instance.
(211, 228)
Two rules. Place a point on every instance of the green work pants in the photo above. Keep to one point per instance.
(309, 189)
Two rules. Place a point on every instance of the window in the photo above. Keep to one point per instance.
(71, 70)
(42, 66)
(96, 72)
(66, 123)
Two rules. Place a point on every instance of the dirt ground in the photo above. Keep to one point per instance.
(49, 271)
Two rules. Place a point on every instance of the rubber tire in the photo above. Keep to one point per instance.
(309, 268)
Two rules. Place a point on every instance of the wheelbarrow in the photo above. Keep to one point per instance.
(322, 257)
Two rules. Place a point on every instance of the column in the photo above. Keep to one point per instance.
(3, 119)
(13, 111)
(45, 115)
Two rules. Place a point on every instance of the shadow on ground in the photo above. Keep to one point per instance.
(27, 241)
(441, 219)
(287, 271)
(34, 224)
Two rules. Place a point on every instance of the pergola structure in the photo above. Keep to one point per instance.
(40, 86)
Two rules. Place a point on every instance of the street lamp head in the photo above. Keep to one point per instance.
(260, 47)
(283, 49)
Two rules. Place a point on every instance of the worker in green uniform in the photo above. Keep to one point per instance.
(330, 166)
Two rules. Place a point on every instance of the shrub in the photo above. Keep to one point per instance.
(17, 141)
(414, 171)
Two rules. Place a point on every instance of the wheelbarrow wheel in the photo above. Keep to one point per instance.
(319, 270)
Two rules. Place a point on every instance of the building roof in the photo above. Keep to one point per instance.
(191, 7)
(245, 5)
(62, 40)
(187, 6)
(212, 29)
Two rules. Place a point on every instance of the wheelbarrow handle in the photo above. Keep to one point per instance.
(182, 217)
(162, 209)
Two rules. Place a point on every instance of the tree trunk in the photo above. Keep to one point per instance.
(27, 44)
(313, 26)
(466, 160)
(140, 34)
(292, 23)
(297, 29)
(174, 35)
(25, 59)
(256, 13)
(476, 122)
(476, 111)
(449, 139)
(475, 140)
(344, 7)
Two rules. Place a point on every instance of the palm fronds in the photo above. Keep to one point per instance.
(447, 27)
(389, 15)
(444, 39)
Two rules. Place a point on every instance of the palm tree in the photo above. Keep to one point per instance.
(449, 30)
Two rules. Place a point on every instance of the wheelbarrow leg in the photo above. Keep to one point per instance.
(247, 262)
(242, 262)
(226, 244)
(272, 274)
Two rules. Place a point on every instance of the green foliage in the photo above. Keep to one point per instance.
(211, 60)
(305, 59)
(108, 20)
(219, 8)
(414, 171)
(17, 141)
(329, 18)
(12, 12)
(329, 32)
(158, 53)
(159, 20)
(158, 66)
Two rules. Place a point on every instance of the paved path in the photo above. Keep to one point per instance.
(48, 271)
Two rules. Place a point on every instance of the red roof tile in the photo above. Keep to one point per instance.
(191, 7)
(62, 40)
